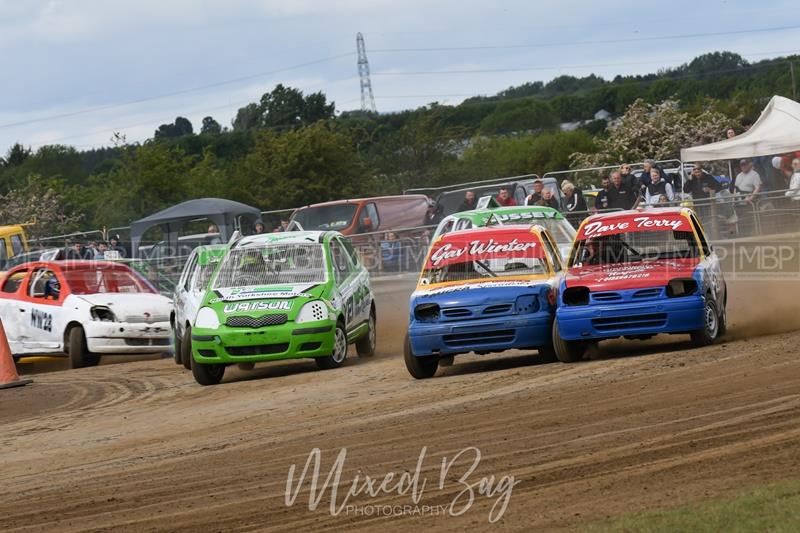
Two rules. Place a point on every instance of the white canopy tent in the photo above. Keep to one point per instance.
(776, 131)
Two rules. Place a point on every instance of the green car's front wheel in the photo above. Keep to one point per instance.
(335, 359)
(207, 374)
(365, 346)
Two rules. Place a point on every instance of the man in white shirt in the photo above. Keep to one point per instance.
(748, 182)
(658, 191)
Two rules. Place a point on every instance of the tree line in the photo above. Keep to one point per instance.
(290, 148)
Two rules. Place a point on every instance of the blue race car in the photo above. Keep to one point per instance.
(483, 290)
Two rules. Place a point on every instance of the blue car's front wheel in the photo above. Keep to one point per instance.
(420, 367)
(711, 325)
(567, 351)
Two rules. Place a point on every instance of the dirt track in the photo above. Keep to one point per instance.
(141, 446)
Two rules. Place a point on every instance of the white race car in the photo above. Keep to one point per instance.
(189, 293)
(82, 309)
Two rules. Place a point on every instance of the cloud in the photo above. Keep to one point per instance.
(66, 55)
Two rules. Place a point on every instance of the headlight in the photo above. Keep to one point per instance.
(427, 312)
(576, 296)
(681, 287)
(207, 319)
(527, 303)
(102, 313)
(312, 312)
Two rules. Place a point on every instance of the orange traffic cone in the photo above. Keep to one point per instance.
(8, 371)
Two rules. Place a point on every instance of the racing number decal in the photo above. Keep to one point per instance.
(41, 320)
(356, 305)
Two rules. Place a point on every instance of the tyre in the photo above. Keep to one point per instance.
(335, 359)
(207, 374)
(567, 351)
(177, 345)
(79, 355)
(723, 320)
(365, 346)
(710, 330)
(186, 348)
(547, 354)
(420, 367)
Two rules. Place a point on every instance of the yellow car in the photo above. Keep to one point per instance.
(12, 242)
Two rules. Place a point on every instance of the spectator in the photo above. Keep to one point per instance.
(658, 191)
(700, 184)
(75, 251)
(100, 252)
(748, 182)
(731, 133)
(601, 200)
(548, 199)
(620, 196)
(794, 182)
(469, 203)
(432, 217)
(90, 250)
(786, 166)
(647, 166)
(115, 246)
(390, 252)
(628, 177)
(536, 196)
(259, 227)
(504, 198)
(574, 202)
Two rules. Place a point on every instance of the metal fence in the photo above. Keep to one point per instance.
(725, 217)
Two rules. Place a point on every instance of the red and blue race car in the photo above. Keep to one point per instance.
(635, 274)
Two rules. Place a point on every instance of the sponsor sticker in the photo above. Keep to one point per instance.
(244, 307)
(514, 217)
(483, 249)
(642, 222)
(482, 285)
(261, 293)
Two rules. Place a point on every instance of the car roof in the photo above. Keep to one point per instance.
(74, 264)
(284, 237)
(208, 251)
(480, 232)
(475, 213)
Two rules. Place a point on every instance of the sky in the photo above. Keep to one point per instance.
(77, 71)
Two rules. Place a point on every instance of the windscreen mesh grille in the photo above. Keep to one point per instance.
(272, 264)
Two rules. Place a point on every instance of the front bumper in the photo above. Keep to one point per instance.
(270, 343)
(503, 333)
(665, 315)
(127, 338)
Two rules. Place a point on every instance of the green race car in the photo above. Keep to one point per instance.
(300, 294)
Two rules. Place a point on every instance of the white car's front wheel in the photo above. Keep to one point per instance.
(79, 355)
(186, 349)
